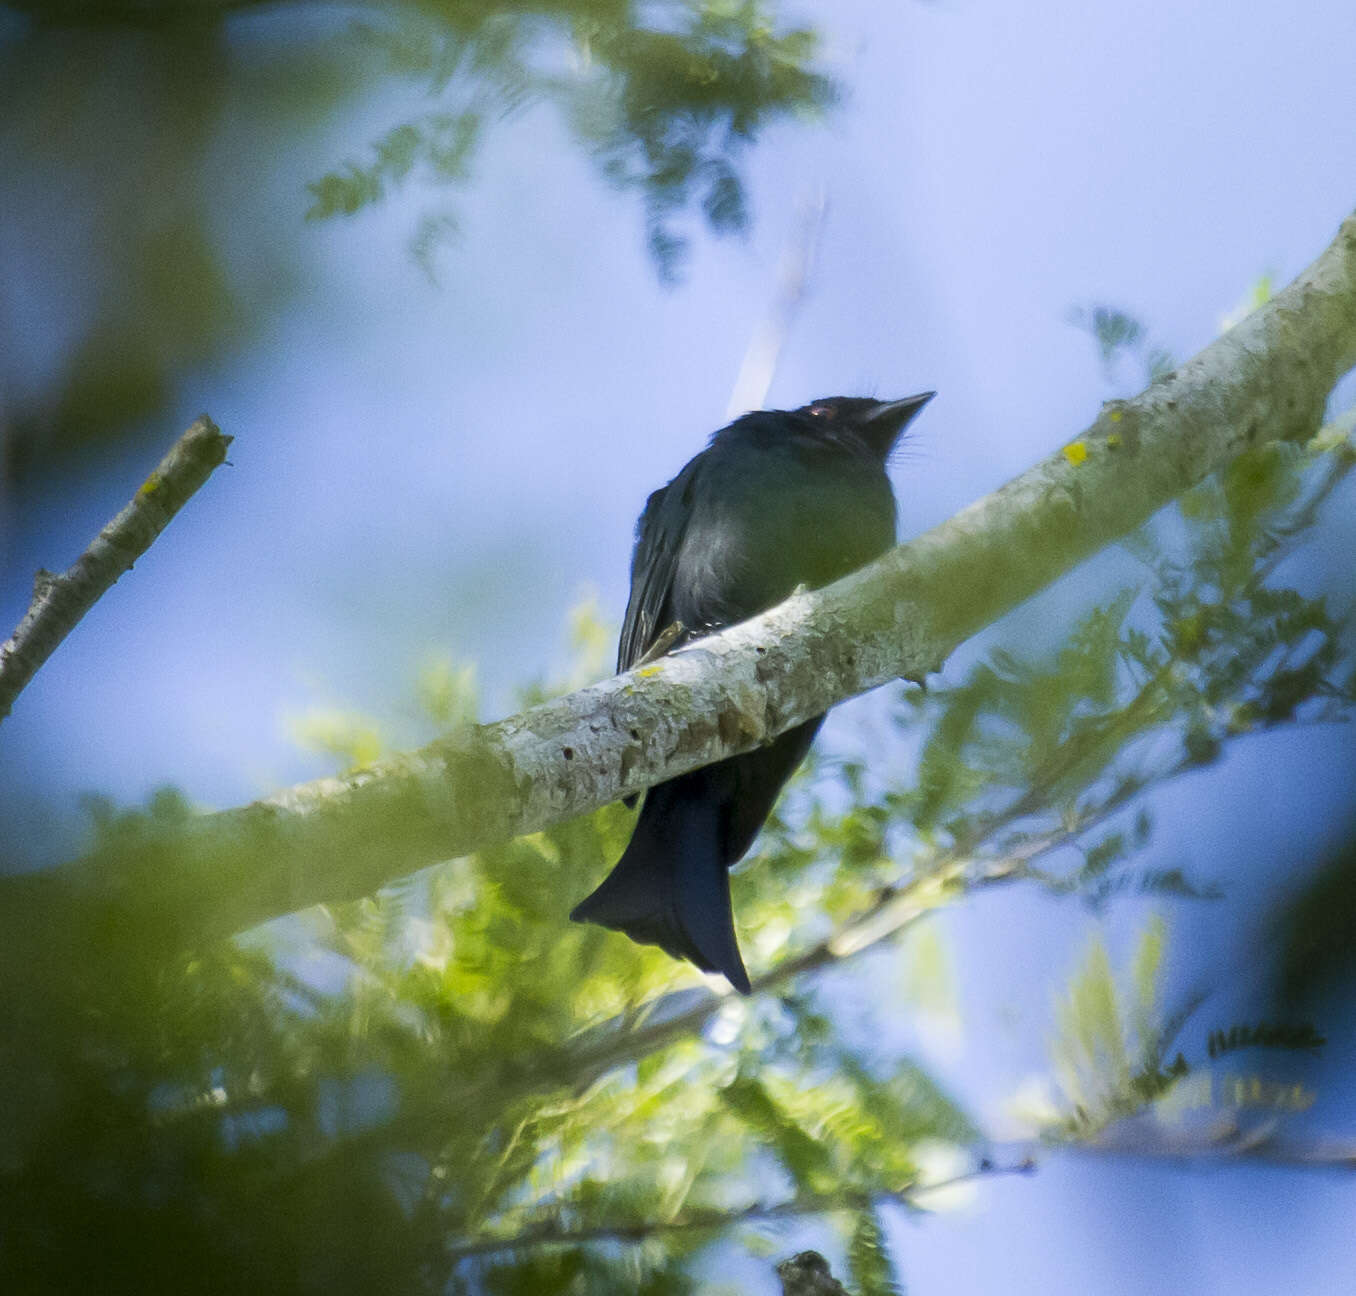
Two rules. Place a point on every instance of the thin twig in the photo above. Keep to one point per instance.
(1228, 1145)
(60, 601)
(549, 1231)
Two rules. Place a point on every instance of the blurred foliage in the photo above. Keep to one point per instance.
(163, 250)
(1120, 335)
(1116, 334)
(664, 95)
(108, 224)
(446, 1087)
(1265, 1035)
(1116, 1080)
(355, 740)
(432, 1089)
(869, 1263)
(1033, 756)
(1110, 1049)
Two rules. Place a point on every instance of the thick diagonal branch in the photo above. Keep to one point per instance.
(60, 601)
(337, 838)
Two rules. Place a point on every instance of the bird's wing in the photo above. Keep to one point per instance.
(659, 537)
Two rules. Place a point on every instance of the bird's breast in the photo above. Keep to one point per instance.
(751, 542)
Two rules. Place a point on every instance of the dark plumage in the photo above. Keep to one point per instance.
(778, 499)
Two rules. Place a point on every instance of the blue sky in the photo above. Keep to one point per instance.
(449, 467)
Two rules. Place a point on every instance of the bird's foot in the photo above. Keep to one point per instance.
(664, 640)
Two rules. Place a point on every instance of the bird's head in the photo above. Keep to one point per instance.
(875, 423)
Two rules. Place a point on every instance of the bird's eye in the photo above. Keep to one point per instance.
(823, 411)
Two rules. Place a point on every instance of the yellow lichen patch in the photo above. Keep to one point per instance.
(152, 484)
(1075, 452)
(646, 672)
(1113, 442)
(1115, 416)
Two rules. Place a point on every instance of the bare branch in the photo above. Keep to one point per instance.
(60, 601)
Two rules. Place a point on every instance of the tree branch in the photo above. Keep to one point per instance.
(339, 838)
(60, 601)
(1229, 1144)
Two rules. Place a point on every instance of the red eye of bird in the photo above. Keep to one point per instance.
(823, 411)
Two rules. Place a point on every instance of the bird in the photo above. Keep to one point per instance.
(778, 499)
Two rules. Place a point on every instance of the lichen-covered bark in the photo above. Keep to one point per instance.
(342, 837)
(60, 601)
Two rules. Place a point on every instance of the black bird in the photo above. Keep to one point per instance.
(778, 499)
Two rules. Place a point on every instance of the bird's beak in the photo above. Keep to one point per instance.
(883, 424)
(901, 411)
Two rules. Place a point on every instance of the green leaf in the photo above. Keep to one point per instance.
(868, 1256)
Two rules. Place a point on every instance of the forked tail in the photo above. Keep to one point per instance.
(671, 888)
